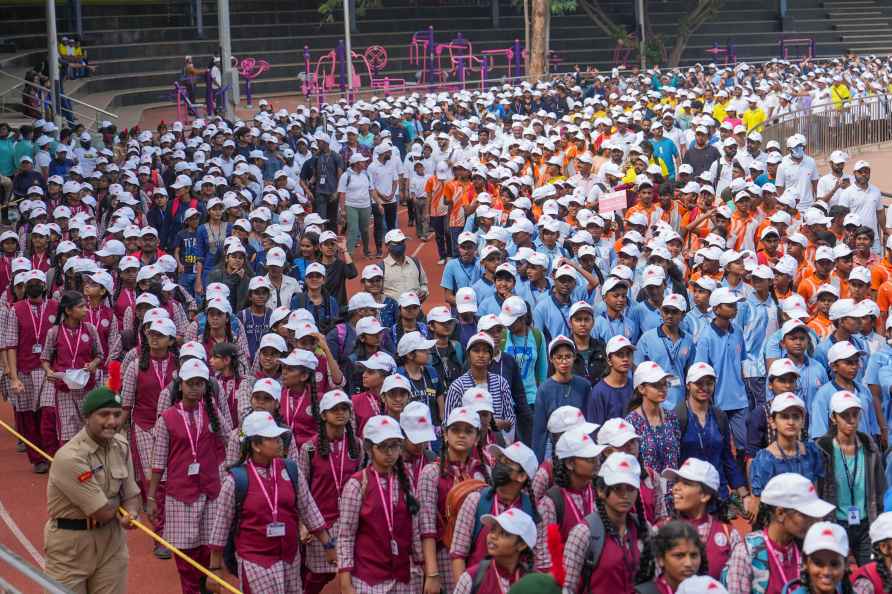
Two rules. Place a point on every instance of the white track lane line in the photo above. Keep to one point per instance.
(14, 528)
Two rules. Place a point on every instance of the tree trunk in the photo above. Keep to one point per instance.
(537, 39)
(704, 10)
(548, 39)
(526, 35)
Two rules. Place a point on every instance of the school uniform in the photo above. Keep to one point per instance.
(126, 300)
(377, 536)
(673, 356)
(326, 476)
(432, 491)
(228, 397)
(757, 565)
(193, 332)
(234, 446)
(495, 581)
(719, 538)
(616, 568)
(245, 390)
(267, 564)
(724, 349)
(182, 440)
(25, 332)
(577, 505)
(297, 413)
(106, 324)
(69, 349)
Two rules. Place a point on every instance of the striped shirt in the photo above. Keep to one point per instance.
(502, 401)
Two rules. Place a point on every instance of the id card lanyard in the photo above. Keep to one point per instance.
(193, 441)
(37, 324)
(274, 529)
(387, 504)
(852, 512)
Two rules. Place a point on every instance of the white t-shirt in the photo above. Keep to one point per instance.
(355, 187)
(863, 202)
(798, 177)
(825, 184)
(383, 176)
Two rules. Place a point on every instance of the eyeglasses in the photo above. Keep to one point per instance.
(391, 448)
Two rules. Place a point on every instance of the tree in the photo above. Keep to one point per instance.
(540, 32)
(696, 14)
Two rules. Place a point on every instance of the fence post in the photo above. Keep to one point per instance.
(518, 60)
(429, 75)
(340, 53)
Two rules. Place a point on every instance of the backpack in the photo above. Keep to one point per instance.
(681, 413)
(484, 506)
(480, 575)
(240, 479)
(647, 588)
(595, 546)
(383, 267)
(454, 500)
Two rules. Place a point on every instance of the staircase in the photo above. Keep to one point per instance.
(139, 48)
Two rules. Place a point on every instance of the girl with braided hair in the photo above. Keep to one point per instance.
(267, 524)
(308, 338)
(97, 289)
(188, 449)
(455, 465)
(679, 553)
(328, 461)
(696, 502)
(218, 325)
(875, 577)
(626, 558)
(376, 530)
(55, 275)
(125, 289)
(367, 403)
(825, 570)
(226, 369)
(300, 395)
(560, 421)
(480, 399)
(266, 365)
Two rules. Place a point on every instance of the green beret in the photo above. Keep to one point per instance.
(535, 583)
(101, 397)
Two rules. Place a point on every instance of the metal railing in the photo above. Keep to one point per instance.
(18, 565)
(13, 100)
(861, 121)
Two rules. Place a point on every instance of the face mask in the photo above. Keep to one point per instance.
(34, 291)
(398, 250)
(501, 475)
(798, 152)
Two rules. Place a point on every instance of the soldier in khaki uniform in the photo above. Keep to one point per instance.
(91, 475)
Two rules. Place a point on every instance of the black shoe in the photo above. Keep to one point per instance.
(41, 468)
(162, 552)
(20, 447)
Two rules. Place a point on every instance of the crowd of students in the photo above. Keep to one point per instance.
(595, 399)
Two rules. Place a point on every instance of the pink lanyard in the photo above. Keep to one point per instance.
(93, 313)
(373, 401)
(775, 556)
(662, 586)
(274, 502)
(502, 588)
(387, 504)
(128, 294)
(37, 261)
(77, 341)
(495, 505)
(160, 375)
(296, 410)
(339, 475)
(415, 472)
(193, 443)
(587, 498)
(37, 329)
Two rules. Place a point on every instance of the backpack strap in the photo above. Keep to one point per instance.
(342, 338)
(480, 575)
(595, 546)
(240, 480)
(311, 451)
(647, 588)
(293, 473)
(484, 506)
(681, 413)
(557, 497)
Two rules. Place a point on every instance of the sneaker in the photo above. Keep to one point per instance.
(20, 447)
(161, 552)
(41, 468)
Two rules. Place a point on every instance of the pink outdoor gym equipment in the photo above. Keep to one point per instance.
(249, 69)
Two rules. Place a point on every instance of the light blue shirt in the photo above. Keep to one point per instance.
(645, 317)
(695, 321)
(757, 319)
(457, 275)
(819, 413)
(552, 317)
(823, 349)
(484, 289)
(532, 360)
(724, 352)
(605, 328)
(674, 357)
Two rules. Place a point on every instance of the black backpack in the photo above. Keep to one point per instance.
(595, 529)
(681, 413)
(240, 479)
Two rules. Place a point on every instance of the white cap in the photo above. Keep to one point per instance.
(395, 381)
(478, 399)
(488, 322)
(259, 282)
(275, 257)
(480, 337)
(193, 368)
(416, 422)
(616, 432)
(147, 299)
(380, 361)
(781, 367)
(463, 415)
(565, 270)
(442, 314)
(675, 301)
(653, 276)
(881, 529)
(164, 326)
(513, 308)
(843, 400)
(413, 341)
(409, 299)
(274, 341)
(559, 340)
(841, 308)
(577, 443)
(649, 372)
(372, 271)
(841, 350)
(860, 273)
(621, 468)
(220, 304)
(262, 424)
(723, 295)
(701, 584)
(300, 358)
(363, 300)
(611, 282)
(333, 398)
(466, 300)
(617, 343)
(793, 491)
(394, 236)
(695, 470)
(580, 306)
(698, 371)
(467, 237)
(826, 536)
(520, 453)
(514, 521)
(566, 417)
(782, 402)
(269, 386)
(380, 428)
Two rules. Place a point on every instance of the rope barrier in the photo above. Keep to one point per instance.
(142, 527)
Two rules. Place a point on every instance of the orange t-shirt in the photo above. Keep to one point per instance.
(808, 288)
(462, 194)
(435, 188)
(821, 324)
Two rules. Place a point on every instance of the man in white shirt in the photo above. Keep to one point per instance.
(797, 172)
(832, 184)
(865, 200)
(385, 182)
(355, 189)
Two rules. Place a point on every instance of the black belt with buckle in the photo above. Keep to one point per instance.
(68, 524)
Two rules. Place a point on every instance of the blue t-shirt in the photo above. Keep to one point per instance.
(187, 243)
(606, 402)
(766, 466)
(551, 395)
(457, 275)
(724, 351)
